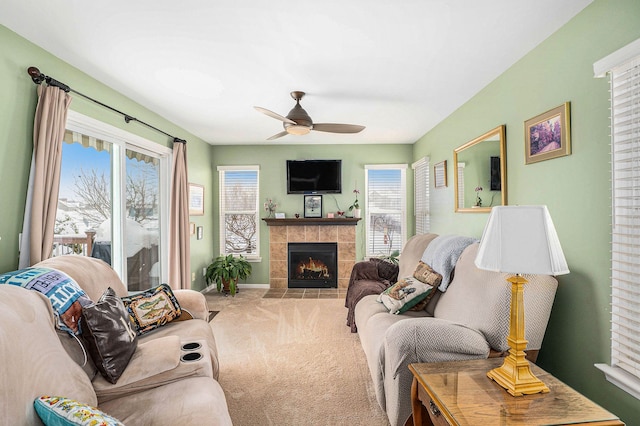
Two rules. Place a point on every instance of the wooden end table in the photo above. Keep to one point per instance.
(460, 393)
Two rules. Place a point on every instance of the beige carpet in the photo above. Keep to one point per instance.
(291, 362)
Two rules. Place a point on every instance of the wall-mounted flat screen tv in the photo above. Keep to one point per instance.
(314, 176)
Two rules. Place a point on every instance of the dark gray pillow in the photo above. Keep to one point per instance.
(108, 335)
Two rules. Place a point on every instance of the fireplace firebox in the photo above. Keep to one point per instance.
(313, 265)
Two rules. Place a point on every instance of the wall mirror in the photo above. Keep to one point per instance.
(480, 178)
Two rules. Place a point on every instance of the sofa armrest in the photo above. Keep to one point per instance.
(387, 270)
(430, 340)
(155, 363)
(193, 302)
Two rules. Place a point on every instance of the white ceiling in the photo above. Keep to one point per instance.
(398, 68)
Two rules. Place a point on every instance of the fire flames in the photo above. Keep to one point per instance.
(312, 269)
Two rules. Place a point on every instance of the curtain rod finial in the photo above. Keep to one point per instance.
(36, 75)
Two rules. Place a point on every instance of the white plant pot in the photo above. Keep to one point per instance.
(357, 213)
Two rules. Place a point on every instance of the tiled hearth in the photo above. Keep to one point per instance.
(284, 231)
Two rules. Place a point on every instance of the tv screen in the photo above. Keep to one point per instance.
(314, 176)
(496, 180)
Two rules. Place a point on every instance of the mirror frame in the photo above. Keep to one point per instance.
(501, 132)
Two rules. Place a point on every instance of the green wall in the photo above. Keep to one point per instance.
(272, 162)
(16, 136)
(576, 188)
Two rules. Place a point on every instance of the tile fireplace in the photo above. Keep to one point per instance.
(341, 232)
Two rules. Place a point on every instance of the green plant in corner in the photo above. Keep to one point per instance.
(225, 271)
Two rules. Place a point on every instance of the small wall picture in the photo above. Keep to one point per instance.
(199, 232)
(313, 206)
(192, 228)
(440, 174)
(196, 200)
(548, 135)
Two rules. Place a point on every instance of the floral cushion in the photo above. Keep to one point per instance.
(60, 411)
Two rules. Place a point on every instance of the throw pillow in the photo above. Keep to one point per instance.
(108, 335)
(64, 294)
(424, 273)
(405, 294)
(152, 308)
(60, 411)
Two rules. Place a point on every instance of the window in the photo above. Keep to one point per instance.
(421, 194)
(385, 194)
(623, 67)
(239, 210)
(106, 174)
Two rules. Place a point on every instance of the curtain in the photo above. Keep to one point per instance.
(44, 180)
(179, 252)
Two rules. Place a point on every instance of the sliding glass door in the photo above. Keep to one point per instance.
(113, 202)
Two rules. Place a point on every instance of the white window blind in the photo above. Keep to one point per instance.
(623, 66)
(386, 208)
(421, 195)
(239, 210)
(625, 117)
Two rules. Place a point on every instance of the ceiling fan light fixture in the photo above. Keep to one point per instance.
(296, 129)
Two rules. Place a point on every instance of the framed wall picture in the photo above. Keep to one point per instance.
(192, 228)
(548, 135)
(199, 232)
(313, 206)
(196, 199)
(440, 174)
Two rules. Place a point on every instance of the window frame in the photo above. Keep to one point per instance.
(614, 65)
(122, 140)
(254, 257)
(371, 210)
(421, 200)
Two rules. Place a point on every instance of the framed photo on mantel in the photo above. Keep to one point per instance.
(313, 206)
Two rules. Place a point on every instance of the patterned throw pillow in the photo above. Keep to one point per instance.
(424, 273)
(108, 335)
(60, 411)
(152, 308)
(64, 294)
(405, 294)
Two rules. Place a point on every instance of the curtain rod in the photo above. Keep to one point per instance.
(38, 78)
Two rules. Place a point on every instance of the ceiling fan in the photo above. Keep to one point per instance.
(298, 122)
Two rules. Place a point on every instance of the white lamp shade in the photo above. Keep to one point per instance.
(521, 240)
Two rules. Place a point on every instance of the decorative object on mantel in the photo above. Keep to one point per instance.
(548, 135)
(270, 207)
(313, 206)
(280, 215)
(519, 240)
(355, 207)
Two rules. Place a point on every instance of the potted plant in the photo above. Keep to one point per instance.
(225, 271)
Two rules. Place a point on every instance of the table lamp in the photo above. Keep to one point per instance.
(519, 240)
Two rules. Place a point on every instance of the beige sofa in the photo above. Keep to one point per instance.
(470, 320)
(165, 383)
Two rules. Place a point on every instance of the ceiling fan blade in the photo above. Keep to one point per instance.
(337, 128)
(278, 135)
(274, 115)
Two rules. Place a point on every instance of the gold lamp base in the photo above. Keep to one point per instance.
(514, 374)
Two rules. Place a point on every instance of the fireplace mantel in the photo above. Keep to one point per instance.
(307, 221)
